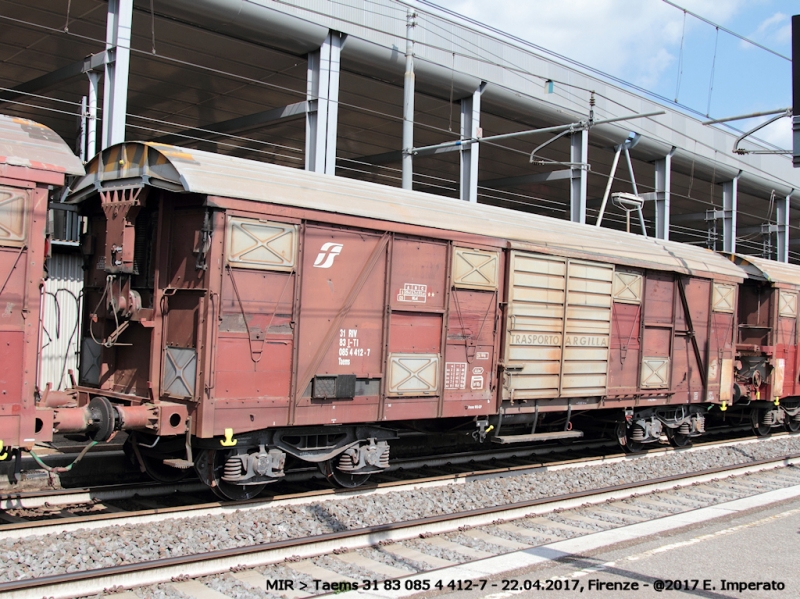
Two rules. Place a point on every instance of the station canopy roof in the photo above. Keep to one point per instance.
(230, 77)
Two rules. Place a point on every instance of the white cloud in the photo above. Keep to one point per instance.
(637, 39)
(778, 133)
(775, 30)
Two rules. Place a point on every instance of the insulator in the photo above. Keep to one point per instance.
(233, 468)
(684, 429)
(637, 433)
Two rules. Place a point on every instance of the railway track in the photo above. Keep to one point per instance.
(110, 502)
(470, 534)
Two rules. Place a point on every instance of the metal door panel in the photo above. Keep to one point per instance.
(413, 374)
(180, 372)
(723, 298)
(470, 352)
(415, 332)
(785, 348)
(252, 243)
(583, 384)
(587, 316)
(475, 269)
(656, 342)
(628, 287)
(11, 357)
(540, 384)
(655, 373)
(558, 327)
(688, 371)
(659, 298)
(593, 359)
(13, 215)
(624, 351)
(587, 328)
(187, 225)
(531, 354)
(418, 275)
(726, 380)
(577, 368)
(787, 303)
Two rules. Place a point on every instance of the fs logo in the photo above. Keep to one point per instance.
(327, 253)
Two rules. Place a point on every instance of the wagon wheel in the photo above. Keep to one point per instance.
(153, 461)
(210, 465)
(760, 429)
(791, 424)
(677, 439)
(622, 434)
(338, 478)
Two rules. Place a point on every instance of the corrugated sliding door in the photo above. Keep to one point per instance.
(536, 324)
(588, 327)
(546, 354)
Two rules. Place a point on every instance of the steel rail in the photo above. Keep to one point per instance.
(84, 496)
(62, 497)
(95, 521)
(214, 562)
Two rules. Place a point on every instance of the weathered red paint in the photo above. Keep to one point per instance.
(21, 274)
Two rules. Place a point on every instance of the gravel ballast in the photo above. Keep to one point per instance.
(115, 545)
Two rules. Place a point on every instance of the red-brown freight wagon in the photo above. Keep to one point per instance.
(239, 313)
(33, 160)
(767, 379)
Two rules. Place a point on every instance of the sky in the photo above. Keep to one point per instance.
(651, 44)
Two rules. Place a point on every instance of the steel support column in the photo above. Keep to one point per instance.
(408, 102)
(470, 128)
(730, 200)
(663, 173)
(782, 233)
(322, 94)
(579, 157)
(115, 86)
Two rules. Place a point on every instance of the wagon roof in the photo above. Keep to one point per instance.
(180, 169)
(769, 270)
(30, 145)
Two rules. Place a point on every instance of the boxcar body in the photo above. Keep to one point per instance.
(33, 160)
(240, 313)
(767, 369)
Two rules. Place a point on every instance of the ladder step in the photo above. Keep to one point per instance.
(537, 437)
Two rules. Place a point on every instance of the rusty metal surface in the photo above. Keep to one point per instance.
(203, 172)
(30, 145)
(21, 271)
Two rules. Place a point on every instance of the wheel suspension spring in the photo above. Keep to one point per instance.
(346, 462)
(768, 418)
(233, 468)
(684, 429)
(796, 417)
(637, 433)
